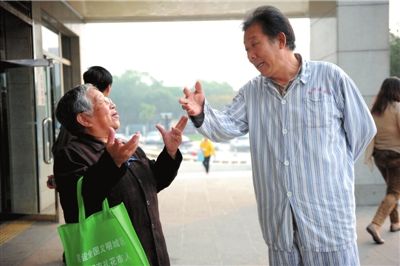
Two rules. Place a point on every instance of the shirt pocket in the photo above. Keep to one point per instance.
(318, 110)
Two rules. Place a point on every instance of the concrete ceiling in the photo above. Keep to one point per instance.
(169, 10)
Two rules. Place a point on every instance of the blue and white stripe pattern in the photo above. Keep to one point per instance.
(303, 148)
(348, 256)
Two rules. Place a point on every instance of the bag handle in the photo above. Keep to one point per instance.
(81, 206)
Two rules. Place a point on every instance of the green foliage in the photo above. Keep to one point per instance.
(147, 112)
(140, 98)
(218, 94)
(394, 55)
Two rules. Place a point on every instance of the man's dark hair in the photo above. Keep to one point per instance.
(70, 105)
(99, 77)
(272, 22)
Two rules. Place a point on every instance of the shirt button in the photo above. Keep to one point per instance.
(148, 202)
(153, 226)
(286, 162)
(289, 194)
(283, 102)
(284, 131)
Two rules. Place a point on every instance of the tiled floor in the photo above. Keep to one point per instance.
(207, 220)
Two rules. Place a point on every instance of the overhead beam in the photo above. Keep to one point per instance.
(172, 10)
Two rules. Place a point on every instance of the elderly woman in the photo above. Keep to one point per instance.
(386, 154)
(113, 169)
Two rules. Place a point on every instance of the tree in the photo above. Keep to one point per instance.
(147, 113)
(218, 94)
(394, 55)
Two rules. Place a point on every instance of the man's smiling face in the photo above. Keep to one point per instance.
(262, 52)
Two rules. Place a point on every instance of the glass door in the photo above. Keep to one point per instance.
(48, 91)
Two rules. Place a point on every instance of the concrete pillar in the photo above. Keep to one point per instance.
(355, 36)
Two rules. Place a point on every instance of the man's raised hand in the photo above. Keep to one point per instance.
(193, 101)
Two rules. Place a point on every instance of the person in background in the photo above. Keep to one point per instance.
(100, 77)
(114, 169)
(207, 148)
(384, 150)
(308, 124)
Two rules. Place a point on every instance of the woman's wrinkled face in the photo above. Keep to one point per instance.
(103, 116)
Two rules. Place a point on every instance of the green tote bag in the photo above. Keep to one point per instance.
(104, 238)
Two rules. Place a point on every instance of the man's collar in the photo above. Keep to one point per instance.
(305, 69)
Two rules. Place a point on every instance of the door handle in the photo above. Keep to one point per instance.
(47, 140)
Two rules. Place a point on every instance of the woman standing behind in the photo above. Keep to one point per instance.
(386, 154)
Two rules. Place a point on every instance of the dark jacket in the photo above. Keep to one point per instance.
(136, 183)
(63, 138)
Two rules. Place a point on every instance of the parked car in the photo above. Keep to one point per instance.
(154, 138)
(121, 136)
(126, 138)
(241, 144)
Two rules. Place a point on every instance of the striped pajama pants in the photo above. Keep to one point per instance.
(347, 256)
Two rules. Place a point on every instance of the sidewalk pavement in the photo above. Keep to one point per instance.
(207, 220)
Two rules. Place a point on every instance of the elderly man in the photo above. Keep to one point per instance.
(307, 124)
(113, 169)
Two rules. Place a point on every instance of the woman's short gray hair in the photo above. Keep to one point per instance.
(74, 102)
